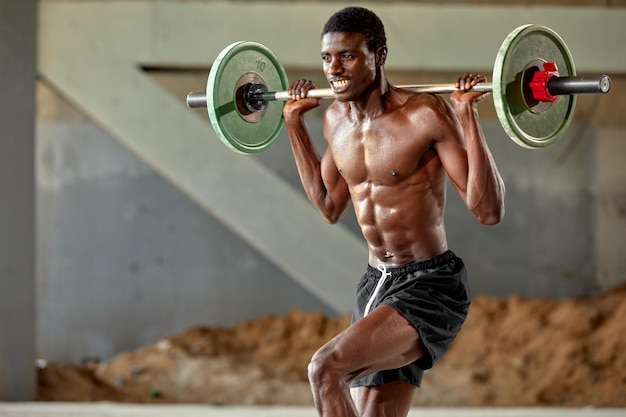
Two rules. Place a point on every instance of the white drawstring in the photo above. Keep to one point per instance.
(382, 268)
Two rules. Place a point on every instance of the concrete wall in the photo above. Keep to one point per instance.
(18, 53)
(610, 204)
(126, 257)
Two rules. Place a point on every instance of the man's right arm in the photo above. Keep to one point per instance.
(322, 182)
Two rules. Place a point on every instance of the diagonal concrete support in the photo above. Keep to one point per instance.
(82, 61)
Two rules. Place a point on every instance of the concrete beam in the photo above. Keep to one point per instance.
(420, 36)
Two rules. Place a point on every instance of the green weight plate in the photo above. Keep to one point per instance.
(529, 123)
(236, 65)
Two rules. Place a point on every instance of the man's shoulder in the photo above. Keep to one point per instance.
(425, 100)
(334, 110)
(421, 104)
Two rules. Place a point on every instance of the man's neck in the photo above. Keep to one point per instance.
(372, 102)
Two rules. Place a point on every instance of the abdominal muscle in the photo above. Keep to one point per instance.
(401, 224)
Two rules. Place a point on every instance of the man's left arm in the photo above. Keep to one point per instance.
(485, 188)
(473, 169)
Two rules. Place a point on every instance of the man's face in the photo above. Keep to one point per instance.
(348, 65)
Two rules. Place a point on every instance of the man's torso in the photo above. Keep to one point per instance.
(396, 180)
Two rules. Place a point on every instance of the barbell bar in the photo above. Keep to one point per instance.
(198, 100)
(534, 89)
(556, 86)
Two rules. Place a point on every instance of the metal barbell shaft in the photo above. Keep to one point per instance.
(556, 86)
(196, 100)
(328, 93)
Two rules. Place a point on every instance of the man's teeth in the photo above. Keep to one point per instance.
(340, 84)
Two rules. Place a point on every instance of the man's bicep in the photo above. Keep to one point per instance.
(338, 194)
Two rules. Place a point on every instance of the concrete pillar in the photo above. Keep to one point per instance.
(18, 52)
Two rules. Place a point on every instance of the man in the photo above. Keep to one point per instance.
(388, 152)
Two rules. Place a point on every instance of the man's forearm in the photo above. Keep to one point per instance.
(308, 162)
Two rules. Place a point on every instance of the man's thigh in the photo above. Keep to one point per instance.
(382, 340)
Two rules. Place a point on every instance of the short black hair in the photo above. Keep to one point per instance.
(358, 20)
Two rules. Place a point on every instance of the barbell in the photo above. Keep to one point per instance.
(534, 87)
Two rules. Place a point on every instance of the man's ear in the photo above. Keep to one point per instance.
(381, 55)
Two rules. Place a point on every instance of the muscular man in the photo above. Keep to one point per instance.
(388, 152)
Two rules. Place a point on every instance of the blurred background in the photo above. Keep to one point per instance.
(125, 219)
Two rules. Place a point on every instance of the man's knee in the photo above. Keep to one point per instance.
(326, 368)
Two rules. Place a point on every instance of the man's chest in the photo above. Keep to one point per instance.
(384, 153)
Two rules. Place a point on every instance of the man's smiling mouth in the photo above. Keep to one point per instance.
(340, 85)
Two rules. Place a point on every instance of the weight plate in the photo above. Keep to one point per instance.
(237, 64)
(531, 124)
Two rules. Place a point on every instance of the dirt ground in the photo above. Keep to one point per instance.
(511, 352)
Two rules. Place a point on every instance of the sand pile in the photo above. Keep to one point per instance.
(511, 352)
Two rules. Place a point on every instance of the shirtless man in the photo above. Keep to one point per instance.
(388, 152)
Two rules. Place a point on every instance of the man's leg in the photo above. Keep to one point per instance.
(382, 340)
(390, 400)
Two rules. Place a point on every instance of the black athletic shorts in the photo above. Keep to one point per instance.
(432, 295)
